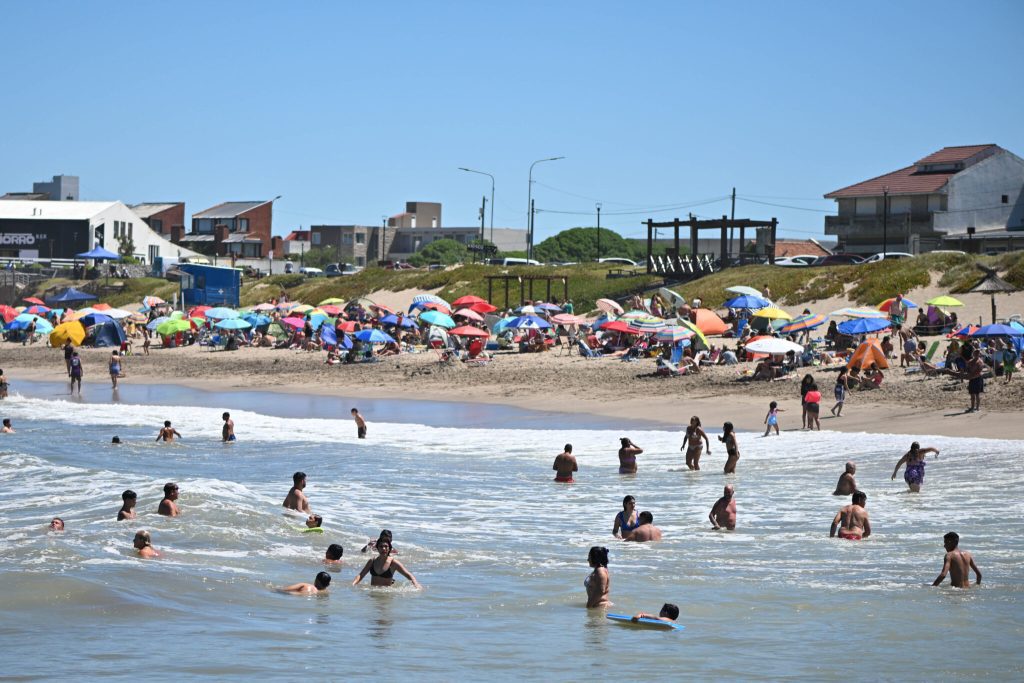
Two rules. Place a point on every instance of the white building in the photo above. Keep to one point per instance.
(60, 230)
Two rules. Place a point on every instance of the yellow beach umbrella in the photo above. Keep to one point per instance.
(944, 301)
(773, 313)
(67, 332)
(333, 301)
(317, 311)
(683, 322)
(301, 309)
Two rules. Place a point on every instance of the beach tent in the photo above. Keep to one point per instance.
(107, 334)
(708, 322)
(67, 332)
(98, 254)
(870, 351)
(7, 313)
(71, 295)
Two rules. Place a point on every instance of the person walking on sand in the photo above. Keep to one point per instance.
(732, 449)
(75, 372)
(565, 465)
(115, 367)
(227, 432)
(599, 582)
(805, 386)
(627, 456)
(852, 521)
(772, 418)
(360, 424)
(842, 389)
(723, 512)
(144, 545)
(296, 499)
(692, 443)
(847, 485)
(958, 563)
(914, 460)
(167, 433)
(812, 407)
(975, 381)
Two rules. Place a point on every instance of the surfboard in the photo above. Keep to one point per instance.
(627, 620)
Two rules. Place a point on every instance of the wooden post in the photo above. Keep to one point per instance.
(650, 245)
(531, 290)
(724, 246)
(693, 236)
(490, 288)
(675, 237)
(506, 292)
(771, 253)
(548, 299)
(522, 294)
(743, 240)
(565, 290)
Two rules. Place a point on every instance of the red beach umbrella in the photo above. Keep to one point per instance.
(619, 326)
(8, 313)
(199, 311)
(468, 300)
(482, 307)
(347, 326)
(467, 331)
(34, 300)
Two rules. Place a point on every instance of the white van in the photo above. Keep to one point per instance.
(618, 260)
(520, 262)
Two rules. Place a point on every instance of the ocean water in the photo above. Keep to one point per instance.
(500, 549)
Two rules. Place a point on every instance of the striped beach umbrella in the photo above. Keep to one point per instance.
(648, 324)
(804, 322)
(431, 298)
(634, 315)
(859, 313)
(673, 334)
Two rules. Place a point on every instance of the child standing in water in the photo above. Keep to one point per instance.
(772, 418)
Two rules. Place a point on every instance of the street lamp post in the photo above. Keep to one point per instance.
(599, 231)
(470, 170)
(529, 207)
(383, 237)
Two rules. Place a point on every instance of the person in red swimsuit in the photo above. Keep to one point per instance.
(565, 465)
(852, 521)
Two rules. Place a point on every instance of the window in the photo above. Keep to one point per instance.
(157, 225)
(865, 206)
(346, 238)
(899, 205)
(243, 224)
(360, 238)
(1006, 199)
(316, 238)
(129, 230)
(204, 225)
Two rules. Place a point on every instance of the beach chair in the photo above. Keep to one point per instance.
(669, 369)
(570, 345)
(712, 358)
(586, 351)
(931, 351)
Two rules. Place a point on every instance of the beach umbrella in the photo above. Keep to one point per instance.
(295, 322)
(996, 330)
(264, 307)
(7, 313)
(300, 309)
(648, 325)
(529, 322)
(548, 307)
(944, 301)
(197, 311)
(67, 332)
(468, 300)
(773, 313)
(743, 289)
(374, 337)
(315, 311)
(528, 309)
(151, 301)
(501, 325)
(437, 318)
(470, 314)
(634, 314)
(870, 351)
(568, 319)
(276, 329)
(177, 315)
(468, 331)
(156, 322)
(102, 307)
(619, 326)
(382, 309)
(347, 326)
(698, 332)
(884, 306)
(232, 324)
(333, 301)
(482, 308)
(609, 306)
(36, 309)
(316, 321)
(863, 326)
(393, 319)
(256, 319)
(858, 313)
(803, 322)
(118, 314)
(173, 326)
(747, 301)
(288, 305)
(673, 297)
(95, 319)
(23, 320)
(221, 313)
(431, 298)
(772, 345)
(331, 309)
(33, 300)
(673, 334)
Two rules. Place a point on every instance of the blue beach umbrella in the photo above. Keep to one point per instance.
(221, 313)
(997, 330)
(501, 325)
(529, 322)
(43, 326)
(256, 319)
(437, 318)
(748, 301)
(863, 325)
(393, 319)
(232, 324)
(374, 337)
(95, 319)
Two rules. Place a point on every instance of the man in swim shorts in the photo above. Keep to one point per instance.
(227, 432)
(333, 554)
(646, 531)
(296, 499)
(975, 381)
(846, 484)
(852, 521)
(668, 613)
(167, 432)
(723, 513)
(168, 507)
(957, 563)
(144, 545)
(319, 585)
(565, 465)
(127, 510)
(360, 424)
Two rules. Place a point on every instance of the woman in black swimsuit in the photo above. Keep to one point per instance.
(383, 567)
(728, 437)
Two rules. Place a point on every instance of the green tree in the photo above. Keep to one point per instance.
(126, 248)
(319, 257)
(580, 245)
(446, 251)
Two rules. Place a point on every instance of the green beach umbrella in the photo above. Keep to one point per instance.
(944, 301)
(169, 327)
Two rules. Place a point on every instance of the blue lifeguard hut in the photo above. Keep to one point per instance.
(209, 285)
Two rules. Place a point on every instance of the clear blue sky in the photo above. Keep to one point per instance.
(347, 110)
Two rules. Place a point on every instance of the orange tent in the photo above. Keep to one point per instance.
(870, 351)
(708, 322)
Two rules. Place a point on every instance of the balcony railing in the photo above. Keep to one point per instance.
(861, 225)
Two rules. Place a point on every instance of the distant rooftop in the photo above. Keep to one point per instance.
(228, 209)
(51, 210)
(147, 209)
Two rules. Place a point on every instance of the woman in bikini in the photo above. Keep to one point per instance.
(691, 442)
(598, 582)
(914, 460)
(383, 567)
(627, 456)
(627, 520)
(728, 437)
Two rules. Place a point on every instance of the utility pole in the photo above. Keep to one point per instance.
(732, 220)
(885, 220)
(383, 237)
(599, 231)
(533, 211)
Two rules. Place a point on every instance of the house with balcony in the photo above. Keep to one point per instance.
(947, 195)
(231, 229)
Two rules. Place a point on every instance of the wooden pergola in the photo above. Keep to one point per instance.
(526, 286)
(724, 224)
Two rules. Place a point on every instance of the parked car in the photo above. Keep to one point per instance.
(881, 256)
(309, 271)
(399, 265)
(339, 269)
(800, 261)
(838, 260)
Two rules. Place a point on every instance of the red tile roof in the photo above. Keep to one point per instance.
(949, 155)
(301, 235)
(785, 248)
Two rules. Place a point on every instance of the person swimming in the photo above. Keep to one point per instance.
(144, 545)
(127, 511)
(333, 554)
(565, 465)
(383, 567)
(319, 585)
(852, 521)
(627, 519)
(669, 613)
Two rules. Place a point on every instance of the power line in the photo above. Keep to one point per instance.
(649, 210)
(784, 206)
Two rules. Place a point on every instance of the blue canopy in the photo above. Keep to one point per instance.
(98, 254)
(374, 337)
(71, 295)
(863, 325)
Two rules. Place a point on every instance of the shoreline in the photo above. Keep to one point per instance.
(548, 383)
